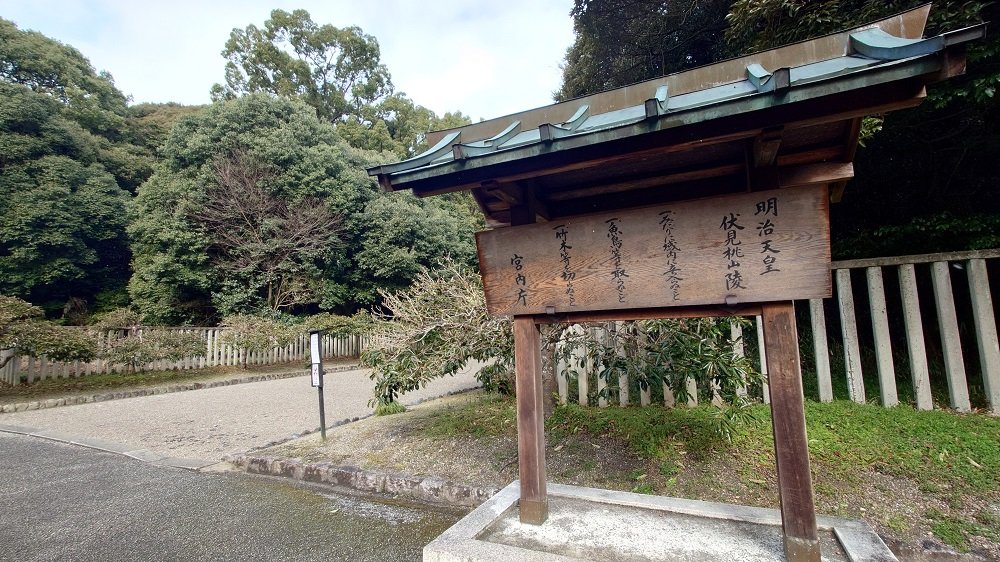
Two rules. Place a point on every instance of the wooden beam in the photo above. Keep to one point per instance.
(821, 154)
(534, 505)
(645, 182)
(648, 314)
(813, 174)
(798, 512)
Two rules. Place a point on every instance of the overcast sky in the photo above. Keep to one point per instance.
(483, 58)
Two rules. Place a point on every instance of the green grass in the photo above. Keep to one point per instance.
(389, 409)
(489, 415)
(950, 458)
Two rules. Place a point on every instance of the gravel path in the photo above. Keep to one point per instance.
(210, 423)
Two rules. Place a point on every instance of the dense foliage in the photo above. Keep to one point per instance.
(433, 329)
(258, 205)
(66, 170)
(24, 329)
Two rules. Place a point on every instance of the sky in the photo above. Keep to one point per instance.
(485, 59)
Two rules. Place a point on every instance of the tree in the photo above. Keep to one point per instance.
(257, 240)
(432, 329)
(66, 170)
(61, 72)
(620, 42)
(179, 215)
(190, 267)
(336, 71)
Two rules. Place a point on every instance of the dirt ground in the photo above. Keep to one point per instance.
(406, 443)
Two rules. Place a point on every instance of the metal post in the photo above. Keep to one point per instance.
(317, 377)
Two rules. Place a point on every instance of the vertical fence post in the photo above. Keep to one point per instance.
(915, 347)
(561, 366)
(849, 327)
(736, 337)
(762, 355)
(600, 337)
(883, 345)
(954, 362)
(623, 382)
(817, 318)
(986, 332)
(582, 364)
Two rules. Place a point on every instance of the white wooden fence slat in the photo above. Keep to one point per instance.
(584, 367)
(883, 345)
(986, 330)
(849, 328)
(954, 363)
(600, 336)
(623, 380)
(692, 391)
(736, 337)
(560, 367)
(762, 356)
(915, 346)
(7, 373)
(817, 319)
(668, 396)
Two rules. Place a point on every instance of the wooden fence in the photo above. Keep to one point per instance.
(936, 307)
(217, 353)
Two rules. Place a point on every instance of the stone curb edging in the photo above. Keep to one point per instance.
(135, 393)
(428, 489)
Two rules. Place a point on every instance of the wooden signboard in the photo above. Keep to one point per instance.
(751, 247)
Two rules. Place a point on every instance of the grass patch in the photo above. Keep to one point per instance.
(489, 415)
(389, 409)
(942, 465)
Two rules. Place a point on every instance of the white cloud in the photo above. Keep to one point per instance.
(484, 59)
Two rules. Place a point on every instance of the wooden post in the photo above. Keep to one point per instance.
(534, 505)
(798, 513)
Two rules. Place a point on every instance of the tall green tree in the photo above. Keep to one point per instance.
(335, 70)
(183, 269)
(66, 170)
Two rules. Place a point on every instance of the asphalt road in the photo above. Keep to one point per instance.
(63, 502)
(210, 423)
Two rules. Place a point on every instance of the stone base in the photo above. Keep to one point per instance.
(591, 524)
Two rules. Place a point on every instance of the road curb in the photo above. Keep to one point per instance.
(138, 392)
(427, 489)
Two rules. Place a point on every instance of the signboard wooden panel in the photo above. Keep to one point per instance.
(751, 247)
